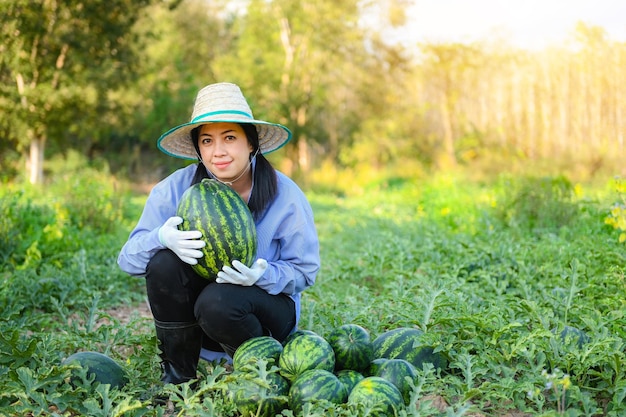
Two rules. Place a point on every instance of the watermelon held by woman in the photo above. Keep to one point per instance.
(250, 351)
(406, 343)
(352, 346)
(101, 367)
(304, 352)
(376, 397)
(314, 386)
(226, 224)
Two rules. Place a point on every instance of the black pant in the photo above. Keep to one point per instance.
(228, 314)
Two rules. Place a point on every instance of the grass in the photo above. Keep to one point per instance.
(492, 273)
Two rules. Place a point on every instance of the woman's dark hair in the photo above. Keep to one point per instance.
(265, 182)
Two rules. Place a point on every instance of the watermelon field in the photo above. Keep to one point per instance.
(518, 283)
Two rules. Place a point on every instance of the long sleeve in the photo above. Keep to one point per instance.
(286, 235)
(161, 204)
(287, 238)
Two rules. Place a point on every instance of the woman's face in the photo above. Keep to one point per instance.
(224, 149)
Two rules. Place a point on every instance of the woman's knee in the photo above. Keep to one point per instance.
(171, 286)
(226, 313)
(162, 265)
(216, 303)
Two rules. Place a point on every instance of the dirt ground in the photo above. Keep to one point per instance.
(125, 313)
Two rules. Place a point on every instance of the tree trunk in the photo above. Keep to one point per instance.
(35, 160)
(447, 159)
(303, 155)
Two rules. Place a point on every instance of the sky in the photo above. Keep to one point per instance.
(531, 24)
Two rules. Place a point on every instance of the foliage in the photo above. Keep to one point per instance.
(38, 228)
(58, 274)
(542, 204)
(175, 51)
(54, 83)
(617, 217)
(23, 227)
(350, 95)
(336, 82)
(490, 296)
(308, 65)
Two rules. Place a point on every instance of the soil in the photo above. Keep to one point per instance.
(125, 313)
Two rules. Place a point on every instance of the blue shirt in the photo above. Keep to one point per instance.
(286, 235)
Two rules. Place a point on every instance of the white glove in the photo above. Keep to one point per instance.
(183, 244)
(242, 275)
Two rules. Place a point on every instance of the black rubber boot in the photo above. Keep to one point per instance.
(180, 345)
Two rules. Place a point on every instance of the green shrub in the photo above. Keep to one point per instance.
(617, 216)
(534, 204)
(25, 228)
(80, 205)
(90, 197)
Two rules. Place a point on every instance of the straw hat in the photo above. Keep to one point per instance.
(222, 102)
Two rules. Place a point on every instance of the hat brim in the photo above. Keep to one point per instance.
(177, 141)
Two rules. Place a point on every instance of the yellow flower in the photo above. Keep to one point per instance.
(578, 190)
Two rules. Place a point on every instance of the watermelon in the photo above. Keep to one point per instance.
(314, 386)
(375, 366)
(298, 333)
(571, 335)
(261, 397)
(397, 371)
(101, 367)
(405, 343)
(304, 352)
(376, 397)
(262, 347)
(226, 224)
(352, 347)
(349, 378)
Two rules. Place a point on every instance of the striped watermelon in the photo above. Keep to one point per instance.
(349, 378)
(376, 397)
(250, 351)
(314, 386)
(296, 334)
(260, 397)
(226, 224)
(98, 366)
(375, 366)
(304, 352)
(406, 343)
(397, 371)
(352, 346)
(571, 335)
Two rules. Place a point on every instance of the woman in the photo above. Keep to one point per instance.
(192, 314)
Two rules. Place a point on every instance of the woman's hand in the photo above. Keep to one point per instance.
(183, 244)
(242, 275)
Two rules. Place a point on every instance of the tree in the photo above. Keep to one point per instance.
(58, 62)
(177, 54)
(298, 62)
